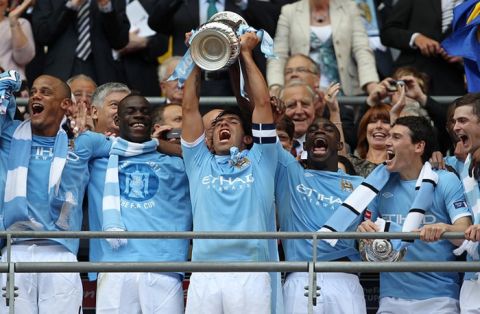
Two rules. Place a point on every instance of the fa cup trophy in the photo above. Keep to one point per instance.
(216, 45)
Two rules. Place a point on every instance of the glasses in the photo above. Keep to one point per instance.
(299, 70)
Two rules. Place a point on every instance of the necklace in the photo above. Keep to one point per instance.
(319, 18)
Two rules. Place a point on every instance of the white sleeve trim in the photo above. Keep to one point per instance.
(194, 143)
(412, 40)
(460, 216)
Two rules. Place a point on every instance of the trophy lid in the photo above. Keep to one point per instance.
(232, 19)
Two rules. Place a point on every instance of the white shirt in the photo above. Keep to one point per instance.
(203, 7)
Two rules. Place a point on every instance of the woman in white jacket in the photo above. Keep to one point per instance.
(332, 33)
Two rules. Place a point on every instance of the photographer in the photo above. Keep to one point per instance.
(417, 102)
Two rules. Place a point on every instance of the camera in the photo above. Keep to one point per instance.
(393, 85)
(173, 134)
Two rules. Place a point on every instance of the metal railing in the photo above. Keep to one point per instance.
(231, 101)
(311, 267)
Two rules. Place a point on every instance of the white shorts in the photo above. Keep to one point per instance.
(232, 293)
(470, 297)
(44, 292)
(442, 305)
(132, 293)
(339, 293)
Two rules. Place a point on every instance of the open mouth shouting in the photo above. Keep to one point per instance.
(464, 139)
(390, 156)
(320, 146)
(224, 135)
(37, 109)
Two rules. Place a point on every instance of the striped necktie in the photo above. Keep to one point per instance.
(447, 13)
(212, 9)
(84, 46)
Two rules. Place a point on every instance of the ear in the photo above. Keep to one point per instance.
(247, 140)
(420, 147)
(339, 146)
(94, 113)
(162, 88)
(66, 103)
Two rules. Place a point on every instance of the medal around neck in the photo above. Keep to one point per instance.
(216, 45)
(380, 250)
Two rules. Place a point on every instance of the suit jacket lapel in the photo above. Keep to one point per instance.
(336, 15)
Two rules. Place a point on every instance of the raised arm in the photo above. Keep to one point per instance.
(192, 125)
(255, 83)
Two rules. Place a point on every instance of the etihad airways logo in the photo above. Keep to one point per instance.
(222, 183)
(315, 197)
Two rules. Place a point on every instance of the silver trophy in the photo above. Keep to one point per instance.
(380, 250)
(215, 46)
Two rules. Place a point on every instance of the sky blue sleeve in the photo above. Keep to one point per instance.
(93, 145)
(454, 197)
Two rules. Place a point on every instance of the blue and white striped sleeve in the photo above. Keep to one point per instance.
(264, 133)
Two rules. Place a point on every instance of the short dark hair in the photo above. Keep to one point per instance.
(470, 99)
(132, 94)
(420, 130)
(286, 124)
(325, 120)
(244, 119)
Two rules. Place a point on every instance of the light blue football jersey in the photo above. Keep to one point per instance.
(228, 197)
(154, 196)
(73, 182)
(393, 204)
(305, 200)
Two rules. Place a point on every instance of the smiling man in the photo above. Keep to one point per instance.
(305, 199)
(105, 101)
(299, 101)
(232, 190)
(151, 193)
(409, 145)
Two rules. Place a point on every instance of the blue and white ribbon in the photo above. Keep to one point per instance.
(10, 82)
(16, 209)
(358, 201)
(472, 194)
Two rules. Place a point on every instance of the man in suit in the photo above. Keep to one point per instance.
(139, 58)
(85, 48)
(417, 28)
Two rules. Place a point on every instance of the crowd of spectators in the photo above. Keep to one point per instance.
(91, 143)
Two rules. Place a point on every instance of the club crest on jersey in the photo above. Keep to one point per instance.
(346, 185)
(138, 182)
(241, 163)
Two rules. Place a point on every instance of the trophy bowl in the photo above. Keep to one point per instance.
(215, 46)
(380, 250)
